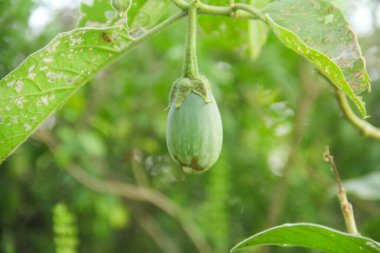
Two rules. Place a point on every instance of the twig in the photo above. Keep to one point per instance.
(345, 205)
(180, 4)
(238, 10)
(137, 193)
(365, 127)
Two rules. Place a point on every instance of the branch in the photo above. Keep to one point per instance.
(143, 194)
(137, 193)
(180, 4)
(159, 236)
(239, 10)
(345, 205)
(155, 30)
(249, 9)
(365, 127)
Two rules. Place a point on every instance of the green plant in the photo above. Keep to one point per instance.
(65, 230)
(45, 80)
(194, 128)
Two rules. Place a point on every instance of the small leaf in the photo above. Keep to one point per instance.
(317, 30)
(47, 78)
(228, 34)
(151, 13)
(310, 236)
(257, 31)
(98, 13)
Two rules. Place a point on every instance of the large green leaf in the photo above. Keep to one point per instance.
(310, 236)
(47, 78)
(317, 30)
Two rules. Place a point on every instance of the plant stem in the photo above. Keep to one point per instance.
(133, 192)
(365, 127)
(254, 12)
(232, 10)
(345, 205)
(143, 194)
(158, 235)
(155, 30)
(191, 63)
(180, 4)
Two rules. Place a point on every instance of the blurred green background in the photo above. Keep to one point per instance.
(278, 116)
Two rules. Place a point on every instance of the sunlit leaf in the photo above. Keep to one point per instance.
(47, 78)
(310, 236)
(318, 31)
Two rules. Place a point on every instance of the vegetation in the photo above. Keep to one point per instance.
(95, 174)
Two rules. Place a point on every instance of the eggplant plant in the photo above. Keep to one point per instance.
(314, 29)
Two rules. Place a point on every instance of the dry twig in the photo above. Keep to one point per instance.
(345, 205)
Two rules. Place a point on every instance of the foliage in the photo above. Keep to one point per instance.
(310, 236)
(320, 33)
(65, 231)
(114, 129)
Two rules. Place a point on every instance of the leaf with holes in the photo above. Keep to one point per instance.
(47, 78)
(310, 236)
(317, 30)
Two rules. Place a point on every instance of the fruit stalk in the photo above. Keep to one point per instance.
(194, 133)
(191, 63)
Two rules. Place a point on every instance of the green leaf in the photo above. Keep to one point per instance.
(257, 35)
(228, 34)
(98, 13)
(47, 78)
(257, 31)
(145, 14)
(310, 236)
(151, 12)
(317, 30)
